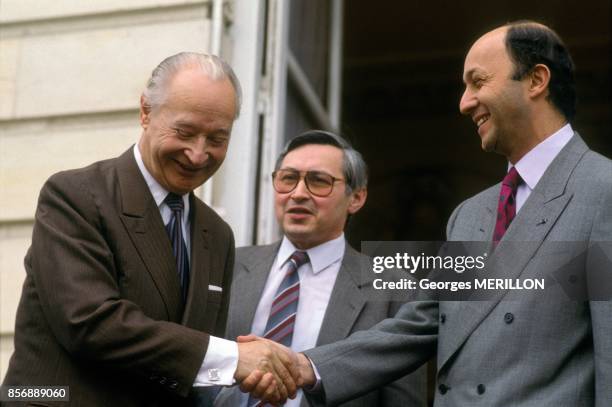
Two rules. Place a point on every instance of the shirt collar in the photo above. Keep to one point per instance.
(159, 193)
(321, 256)
(533, 165)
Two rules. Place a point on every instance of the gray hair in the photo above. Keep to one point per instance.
(211, 65)
(354, 168)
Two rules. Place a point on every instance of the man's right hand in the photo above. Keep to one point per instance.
(267, 370)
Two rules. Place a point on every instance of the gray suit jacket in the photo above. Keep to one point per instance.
(347, 312)
(538, 350)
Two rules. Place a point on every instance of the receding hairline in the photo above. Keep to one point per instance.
(209, 66)
(488, 36)
(199, 72)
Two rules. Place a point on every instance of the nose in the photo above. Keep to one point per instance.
(197, 153)
(468, 102)
(301, 191)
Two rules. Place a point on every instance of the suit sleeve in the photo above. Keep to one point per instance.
(410, 390)
(373, 358)
(75, 276)
(600, 270)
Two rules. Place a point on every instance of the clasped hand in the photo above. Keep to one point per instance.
(270, 371)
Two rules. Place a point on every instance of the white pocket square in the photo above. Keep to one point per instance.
(214, 288)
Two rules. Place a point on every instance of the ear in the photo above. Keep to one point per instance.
(539, 78)
(358, 199)
(145, 111)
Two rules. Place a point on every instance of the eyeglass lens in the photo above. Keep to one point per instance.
(318, 183)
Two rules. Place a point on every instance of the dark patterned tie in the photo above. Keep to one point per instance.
(506, 209)
(175, 232)
(284, 308)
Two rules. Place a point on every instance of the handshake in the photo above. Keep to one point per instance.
(270, 371)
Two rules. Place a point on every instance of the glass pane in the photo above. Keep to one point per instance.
(297, 119)
(309, 30)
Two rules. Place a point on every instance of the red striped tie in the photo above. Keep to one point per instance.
(284, 308)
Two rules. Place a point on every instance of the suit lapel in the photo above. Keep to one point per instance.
(249, 282)
(144, 224)
(346, 300)
(484, 225)
(200, 265)
(532, 224)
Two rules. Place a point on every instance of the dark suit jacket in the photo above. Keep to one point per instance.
(101, 309)
(348, 311)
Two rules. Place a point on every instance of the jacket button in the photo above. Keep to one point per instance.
(163, 380)
(442, 318)
(443, 388)
(508, 318)
(173, 385)
(480, 389)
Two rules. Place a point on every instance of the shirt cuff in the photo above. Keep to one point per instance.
(220, 363)
(317, 387)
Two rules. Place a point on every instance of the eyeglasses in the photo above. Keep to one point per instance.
(318, 183)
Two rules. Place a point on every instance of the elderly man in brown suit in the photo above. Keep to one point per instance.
(128, 275)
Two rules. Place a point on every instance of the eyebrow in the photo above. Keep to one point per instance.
(190, 126)
(471, 73)
(182, 123)
(468, 74)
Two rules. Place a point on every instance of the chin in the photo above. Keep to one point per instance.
(181, 188)
(488, 144)
(296, 230)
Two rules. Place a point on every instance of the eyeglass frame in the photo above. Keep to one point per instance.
(302, 176)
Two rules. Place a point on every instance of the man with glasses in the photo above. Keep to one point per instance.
(305, 290)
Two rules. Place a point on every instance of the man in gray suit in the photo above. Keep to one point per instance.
(527, 348)
(320, 180)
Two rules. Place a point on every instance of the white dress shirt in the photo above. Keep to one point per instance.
(533, 164)
(221, 359)
(317, 279)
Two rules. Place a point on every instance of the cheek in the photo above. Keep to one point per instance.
(218, 154)
(279, 206)
(168, 147)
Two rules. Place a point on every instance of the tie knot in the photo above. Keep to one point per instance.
(298, 258)
(174, 201)
(512, 178)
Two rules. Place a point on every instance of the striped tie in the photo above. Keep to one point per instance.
(284, 308)
(175, 232)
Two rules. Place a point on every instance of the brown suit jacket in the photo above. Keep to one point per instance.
(101, 308)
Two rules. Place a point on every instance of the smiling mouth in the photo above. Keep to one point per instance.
(482, 120)
(187, 168)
